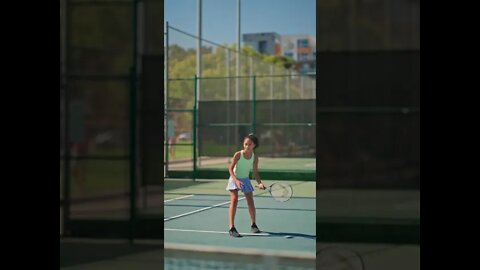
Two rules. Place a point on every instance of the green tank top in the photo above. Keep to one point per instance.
(243, 166)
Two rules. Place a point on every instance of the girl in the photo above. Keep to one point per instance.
(242, 162)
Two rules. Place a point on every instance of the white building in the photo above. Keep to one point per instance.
(266, 43)
(302, 48)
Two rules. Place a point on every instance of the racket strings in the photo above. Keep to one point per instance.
(281, 192)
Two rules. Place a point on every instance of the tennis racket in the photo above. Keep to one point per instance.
(281, 192)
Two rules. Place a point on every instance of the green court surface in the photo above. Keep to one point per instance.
(198, 215)
(335, 203)
(175, 187)
(196, 223)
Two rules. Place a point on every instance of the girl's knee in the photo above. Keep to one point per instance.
(249, 199)
(234, 197)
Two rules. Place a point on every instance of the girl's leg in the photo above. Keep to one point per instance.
(251, 205)
(233, 207)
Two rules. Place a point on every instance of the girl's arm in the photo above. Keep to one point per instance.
(255, 173)
(235, 158)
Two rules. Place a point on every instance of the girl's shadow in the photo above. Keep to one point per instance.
(283, 234)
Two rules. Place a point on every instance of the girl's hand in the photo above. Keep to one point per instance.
(239, 184)
(261, 186)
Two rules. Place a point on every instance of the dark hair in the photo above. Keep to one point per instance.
(253, 138)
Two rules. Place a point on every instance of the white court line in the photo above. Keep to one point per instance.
(199, 210)
(183, 230)
(178, 198)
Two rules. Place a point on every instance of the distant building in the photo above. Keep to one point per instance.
(301, 48)
(266, 43)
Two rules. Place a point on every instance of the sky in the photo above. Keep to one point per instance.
(219, 17)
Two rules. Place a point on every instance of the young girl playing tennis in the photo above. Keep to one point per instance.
(242, 162)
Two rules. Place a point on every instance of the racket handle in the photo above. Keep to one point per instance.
(267, 188)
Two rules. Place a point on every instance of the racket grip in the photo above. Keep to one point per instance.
(266, 188)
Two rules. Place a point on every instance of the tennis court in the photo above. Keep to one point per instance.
(195, 236)
(196, 218)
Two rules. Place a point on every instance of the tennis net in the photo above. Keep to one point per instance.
(181, 256)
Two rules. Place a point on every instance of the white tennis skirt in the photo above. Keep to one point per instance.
(246, 185)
